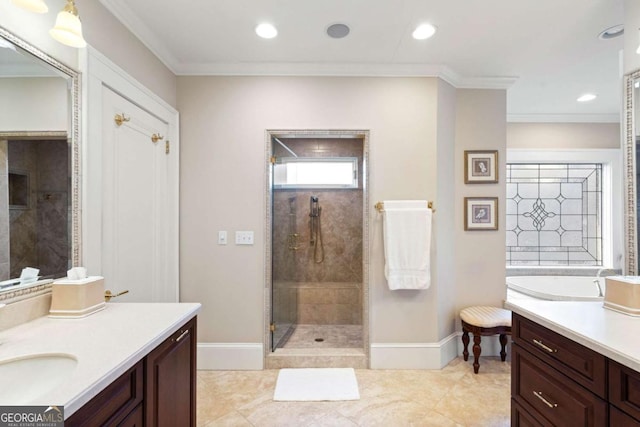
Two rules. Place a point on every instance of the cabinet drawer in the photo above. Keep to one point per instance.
(617, 418)
(542, 390)
(113, 403)
(624, 388)
(579, 363)
(521, 418)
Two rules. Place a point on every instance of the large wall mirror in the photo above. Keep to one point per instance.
(39, 165)
(632, 178)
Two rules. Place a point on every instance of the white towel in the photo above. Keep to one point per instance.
(407, 244)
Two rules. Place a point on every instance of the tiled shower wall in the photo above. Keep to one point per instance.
(39, 229)
(329, 292)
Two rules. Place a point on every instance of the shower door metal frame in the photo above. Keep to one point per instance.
(366, 212)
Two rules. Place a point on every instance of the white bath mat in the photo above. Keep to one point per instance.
(316, 384)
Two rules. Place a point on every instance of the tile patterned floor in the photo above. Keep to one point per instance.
(453, 396)
(333, 336)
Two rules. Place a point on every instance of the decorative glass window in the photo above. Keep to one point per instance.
(306, 172)
(554, 214)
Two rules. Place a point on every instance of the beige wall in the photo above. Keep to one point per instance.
(563, 135)
(34, 104)
(480, 255)
(103, 32)
(411, 121)
(223, 125)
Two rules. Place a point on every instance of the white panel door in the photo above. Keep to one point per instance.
(135, 204)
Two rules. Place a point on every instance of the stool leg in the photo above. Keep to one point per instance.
(465, 341)
(503, 344)
(476, 352)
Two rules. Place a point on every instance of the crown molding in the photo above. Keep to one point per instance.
(563, 118)
(345, 70)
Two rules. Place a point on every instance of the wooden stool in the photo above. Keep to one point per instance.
(484, 321)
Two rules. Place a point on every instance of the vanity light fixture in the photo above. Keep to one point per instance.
(37, 6)
(587, 97)
(423, 31)
(68, 28)
(266, 31)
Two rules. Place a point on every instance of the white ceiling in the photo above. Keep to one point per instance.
(546, 52)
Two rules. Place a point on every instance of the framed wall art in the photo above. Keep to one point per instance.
(480, 166)
(480, 213)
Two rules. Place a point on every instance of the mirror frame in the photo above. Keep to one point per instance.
(73, 137)
(629, 151)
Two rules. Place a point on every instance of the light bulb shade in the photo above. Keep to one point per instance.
(37, 6)
(68, 30)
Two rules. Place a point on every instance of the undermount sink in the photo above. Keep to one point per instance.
(25, 379)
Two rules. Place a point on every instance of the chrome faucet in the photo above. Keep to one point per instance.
(597, 279)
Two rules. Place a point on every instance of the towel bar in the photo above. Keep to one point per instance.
(380, 206)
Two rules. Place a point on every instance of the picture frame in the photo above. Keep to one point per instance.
(480, 166)
(480, 213)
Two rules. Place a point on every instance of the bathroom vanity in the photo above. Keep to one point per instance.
(135, 364)
(573, 363)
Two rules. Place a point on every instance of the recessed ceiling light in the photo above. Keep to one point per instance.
(587, 97)
(424, 31)
(266, 31)
(612, 32)
(338, 31)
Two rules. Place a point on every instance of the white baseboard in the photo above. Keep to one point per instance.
(428, 355)
(414, 355)
(230, 356)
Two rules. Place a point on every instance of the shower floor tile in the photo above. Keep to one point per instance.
(331, 336)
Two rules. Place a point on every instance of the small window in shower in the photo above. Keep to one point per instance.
(308, 172)
(554, 214)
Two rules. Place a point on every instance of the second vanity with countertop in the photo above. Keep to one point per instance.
(110, 364)
(574, 363)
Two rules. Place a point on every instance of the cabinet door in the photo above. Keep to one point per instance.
(170, 383)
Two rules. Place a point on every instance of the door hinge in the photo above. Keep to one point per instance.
(273, 160)
(272, 327)
(167, 147)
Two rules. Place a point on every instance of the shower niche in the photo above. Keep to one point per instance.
(317, 195)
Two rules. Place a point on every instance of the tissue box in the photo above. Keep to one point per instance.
(622, 293)
(77, 298)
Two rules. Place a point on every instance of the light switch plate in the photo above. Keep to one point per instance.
(222, 237)
(244, 237)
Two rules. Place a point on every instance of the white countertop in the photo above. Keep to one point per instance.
(610, 333)
(106, 344)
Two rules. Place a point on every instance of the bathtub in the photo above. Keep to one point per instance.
(557, 288)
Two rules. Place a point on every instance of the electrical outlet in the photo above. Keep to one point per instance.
(222, 237)
(244, 237)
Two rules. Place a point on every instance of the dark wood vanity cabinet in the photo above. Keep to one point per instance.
(558, 382)
(160, 390)
(170, 380)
